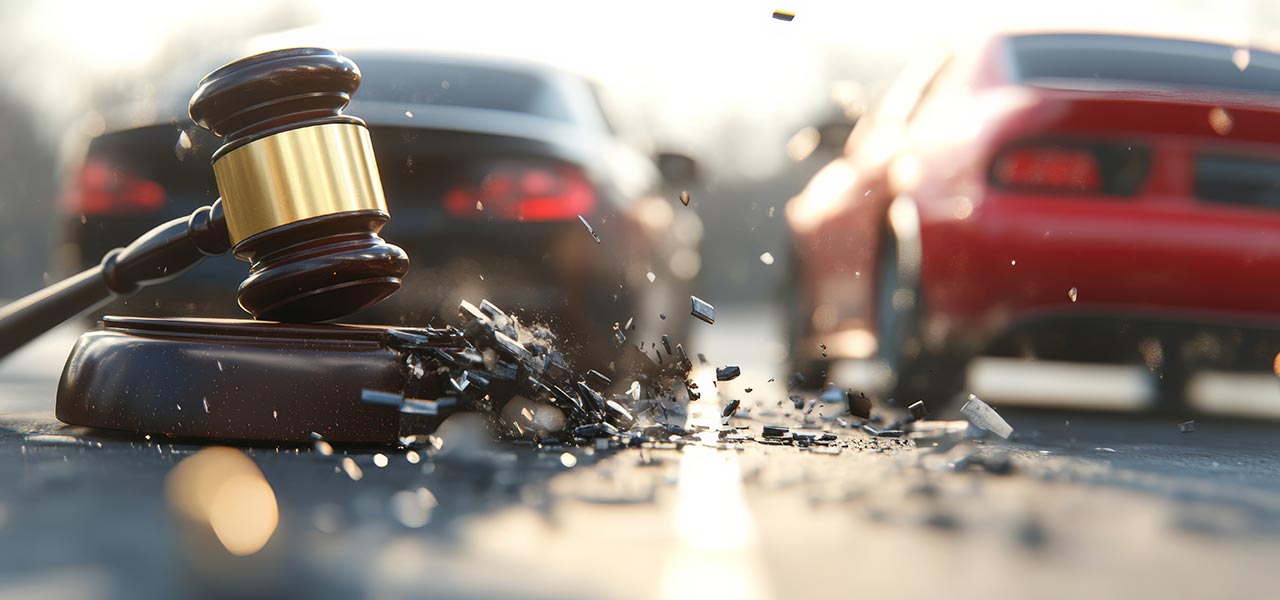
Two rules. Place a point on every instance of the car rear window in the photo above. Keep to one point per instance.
(414, 81)
(1144, 60)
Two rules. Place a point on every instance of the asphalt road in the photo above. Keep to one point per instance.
(1095, 506)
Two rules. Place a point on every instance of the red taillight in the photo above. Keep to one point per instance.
(521, 192)
(1048, 167)
(103, 189)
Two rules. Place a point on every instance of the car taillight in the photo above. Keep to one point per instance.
(1071, 167)
(104, 189)
(1048, 167)
(523, 192)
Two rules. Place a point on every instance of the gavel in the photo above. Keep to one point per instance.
(301, 201)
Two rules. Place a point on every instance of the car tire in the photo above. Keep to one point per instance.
(917, 373)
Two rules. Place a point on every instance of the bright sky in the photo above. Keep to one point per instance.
(719, 78)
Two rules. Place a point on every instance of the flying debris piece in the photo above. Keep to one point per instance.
(684, 198)
(809, 407)
(860, 405)
(662, 316)
(618, 414)
(666, 345)
(599, 379)
(589, 229)
(774, 431)
(1187, 427)
(747, 390)
(980, 414)
(554, 366)
(682, 359)
(918, 411)
(889, 433)
(730, 408)
(703, 311)
(728, 373)
(797, 401)
(618, 336)
(702, 359)
(784, 15)
(692, 389)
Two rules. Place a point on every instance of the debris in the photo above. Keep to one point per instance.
(568, 460)
(703, 311)
(651, 277)
(598, 378)
(859, 406)
(774, 431)
(747, 390)
(381, 460)
(684, 198)
(784, 15)
(728, 373)
(889, 433)
(982, 415)
(766, 258)
(1187, 427)
(589, 229)
(796, 400)
(730, 408)
(918, 411)
(702, 359)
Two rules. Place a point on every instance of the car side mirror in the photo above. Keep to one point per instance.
(677, 169)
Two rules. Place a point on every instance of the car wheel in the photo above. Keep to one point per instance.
(800, 326)
(917, 373)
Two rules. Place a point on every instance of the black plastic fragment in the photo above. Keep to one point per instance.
(728, 373)
(918, 410)
(730, 408)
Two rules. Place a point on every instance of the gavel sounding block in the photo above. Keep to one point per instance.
(234, 380)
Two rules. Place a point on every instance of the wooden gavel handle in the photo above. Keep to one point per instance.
(158, 256)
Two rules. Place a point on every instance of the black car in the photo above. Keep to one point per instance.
(492, 170)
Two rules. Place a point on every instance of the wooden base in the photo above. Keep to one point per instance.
(234, 380)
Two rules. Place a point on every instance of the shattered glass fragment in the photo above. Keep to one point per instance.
(703, 310)
(1187, 427)
(589, 228)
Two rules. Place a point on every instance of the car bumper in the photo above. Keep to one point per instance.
(1005, 260)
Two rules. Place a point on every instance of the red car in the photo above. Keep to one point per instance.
(1066, 196)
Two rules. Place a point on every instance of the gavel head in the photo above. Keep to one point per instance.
(299, 185)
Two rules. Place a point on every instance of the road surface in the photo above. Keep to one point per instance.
(1095, 506)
